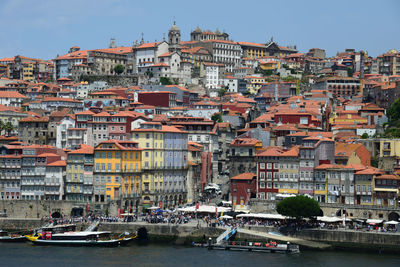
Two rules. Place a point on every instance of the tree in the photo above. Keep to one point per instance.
(8, 128)
(364, 136)
(165, 81)
(350, 72)
(119, 69)
(298, 207)
(217, 117)
(222, 92)
(2, 125)
(393, 125)
(393, 113)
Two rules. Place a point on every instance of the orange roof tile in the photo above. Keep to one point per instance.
(59, 163)
(11, 94)
(85, 149)
(244, 176)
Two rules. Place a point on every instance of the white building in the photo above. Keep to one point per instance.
(231, 83)
(82, 91)
(213, 73)
(11, 98)
(170, 66)
(147, 54)
(62, 131)
(54, 180)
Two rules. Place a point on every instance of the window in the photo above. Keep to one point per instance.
(262, 176)
(262, 185)
(262, 166)
(269, 166)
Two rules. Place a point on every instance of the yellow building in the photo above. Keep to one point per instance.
(389, 147)
(27, 71)
(151, 139)
(270, 63)
(118, 164)
(364, 185)
(254, 83)
(347, 119)
(253, 50)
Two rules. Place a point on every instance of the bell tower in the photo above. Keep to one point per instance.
(174, 37)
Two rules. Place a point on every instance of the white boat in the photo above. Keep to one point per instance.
(86, 238)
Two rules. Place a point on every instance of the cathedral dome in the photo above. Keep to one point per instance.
(174, 27)
(197, 30)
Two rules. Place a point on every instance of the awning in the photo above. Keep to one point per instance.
(386, 189)
(331, 219)
(226, 217)
(262, 216)
(205, 209)
(391, 222)
(377, 221)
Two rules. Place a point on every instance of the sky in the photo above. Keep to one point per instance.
(47, 28)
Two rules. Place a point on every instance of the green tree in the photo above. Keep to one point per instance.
(222, 92)
(393, 113)
(165, 81)
(2, 125)
(8, 128)
(119, 69)
(217, 117)
(298, 207)
(364, 136)
(350, 72)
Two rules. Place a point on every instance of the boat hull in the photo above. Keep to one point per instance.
(80, 243)
(10, 239)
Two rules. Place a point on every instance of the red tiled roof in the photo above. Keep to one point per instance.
(244, 176)
(85, 149)
(11, 94)
(60, 163)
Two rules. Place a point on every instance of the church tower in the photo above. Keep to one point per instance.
(174, 38)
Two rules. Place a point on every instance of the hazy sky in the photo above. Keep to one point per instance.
(45, 28)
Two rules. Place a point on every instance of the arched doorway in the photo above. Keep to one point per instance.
(77, 212)
(321, 213)
(56, 214)
(165, 202)
(393, 216)
(171, 201)
(175, 199)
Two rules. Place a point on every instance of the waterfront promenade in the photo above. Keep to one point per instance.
(200, 231)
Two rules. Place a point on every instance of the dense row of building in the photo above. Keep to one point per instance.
(263, 120)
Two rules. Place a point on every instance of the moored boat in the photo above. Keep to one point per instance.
(256, 246)
(7, 237)
(87, 238)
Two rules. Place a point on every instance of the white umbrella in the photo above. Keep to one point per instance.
(153, 208)
(391, 222)
(226, 217)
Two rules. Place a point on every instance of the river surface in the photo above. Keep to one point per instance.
(25, 254)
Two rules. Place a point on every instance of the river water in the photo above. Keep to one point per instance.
(25, 254)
